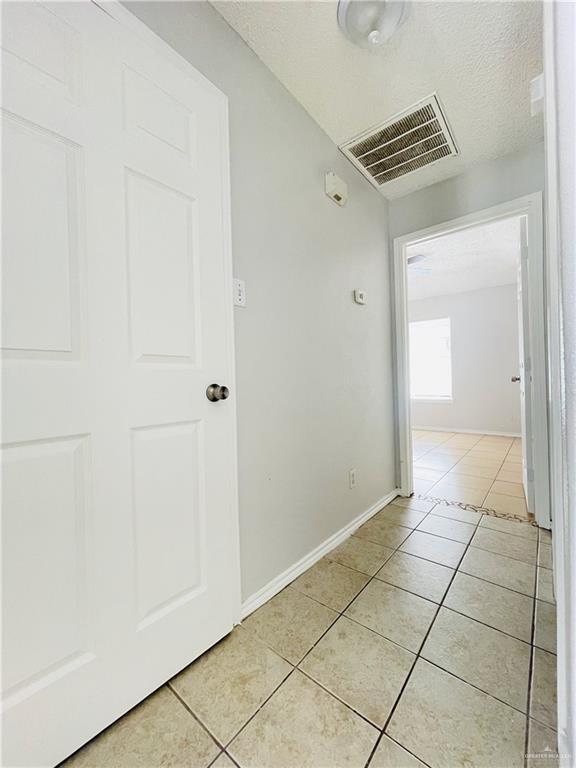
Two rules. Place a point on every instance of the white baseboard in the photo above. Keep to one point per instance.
(279, 582)
(469, 431)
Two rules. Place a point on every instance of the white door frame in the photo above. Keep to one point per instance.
(531, 207)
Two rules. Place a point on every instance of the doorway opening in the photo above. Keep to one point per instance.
(471, 361)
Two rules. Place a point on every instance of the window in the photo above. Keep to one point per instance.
(430, 360)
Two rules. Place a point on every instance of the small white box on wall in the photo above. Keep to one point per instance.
(336, 188)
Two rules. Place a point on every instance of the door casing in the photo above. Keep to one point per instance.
(529, 206)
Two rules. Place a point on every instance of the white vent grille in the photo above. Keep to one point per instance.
(411, 140)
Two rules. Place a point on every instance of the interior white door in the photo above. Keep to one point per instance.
(524, 367)
(120, 543)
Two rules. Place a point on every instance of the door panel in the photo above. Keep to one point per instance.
(170, 553)
(119, 512)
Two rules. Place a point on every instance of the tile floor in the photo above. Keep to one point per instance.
(482, 470)
(425, 639)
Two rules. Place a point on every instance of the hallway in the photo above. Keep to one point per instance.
(425, 639)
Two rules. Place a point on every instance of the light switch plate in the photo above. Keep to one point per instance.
(239, 293)
(360, 296)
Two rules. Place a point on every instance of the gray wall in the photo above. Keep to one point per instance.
(483, 186)
(484, 341)
(314, 370)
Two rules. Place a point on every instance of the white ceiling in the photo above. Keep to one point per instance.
(478, 56)
(479, 257)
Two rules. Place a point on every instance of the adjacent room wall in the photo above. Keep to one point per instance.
(314, 370)
(484, 341)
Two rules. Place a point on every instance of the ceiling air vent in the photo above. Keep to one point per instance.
(412, 139)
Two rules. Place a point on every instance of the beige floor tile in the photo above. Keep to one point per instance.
(450, 724)
(424, 578)
(303, 726)
(433, 460)
(474, 470)
(542, 746)
(455, 513)
(400, 515)
(290, 623)
(388, 754)
(513, 465)
(463, 441)
(456, 492)
(545, 585)
(362, 555)
(330, 583)
(508, 489)
(394, 613)
(507, 504)
(468, 481)
(545, 626)
(448, 528)
(422, 486)
(504, 544)
(418, 505)
(501, 570)
(545, 536)
(428, 474)
(228, 683)
(509, 476)
(480, 460)
(450, 450)
(223, 762)
(383, 532)
(513, 527)
(485, 454)
(482, 656)
(360, 667)
(435, 548)
(543, 696)
(491, 604)
(158, 732)
(500, 440)
(545, 555)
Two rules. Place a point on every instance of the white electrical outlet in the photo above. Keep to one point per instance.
(239, 293)
(352, 478)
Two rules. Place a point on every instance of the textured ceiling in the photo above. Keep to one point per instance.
(478, 56)
(479, 257)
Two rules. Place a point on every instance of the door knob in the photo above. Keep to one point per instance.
(217, 392)
(514, 379)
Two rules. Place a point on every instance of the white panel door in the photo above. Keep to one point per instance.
(120, 542)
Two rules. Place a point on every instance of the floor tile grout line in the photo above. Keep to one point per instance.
(338, 698)
(530, 669)
(253, 715)
(483, 623)
(195, 716)
(213, 763)
(342, 614)
(435, 562)
(409, 675)
(472, 685)
(466, 573)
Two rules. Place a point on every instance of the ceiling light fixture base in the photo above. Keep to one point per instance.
(371, 23)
